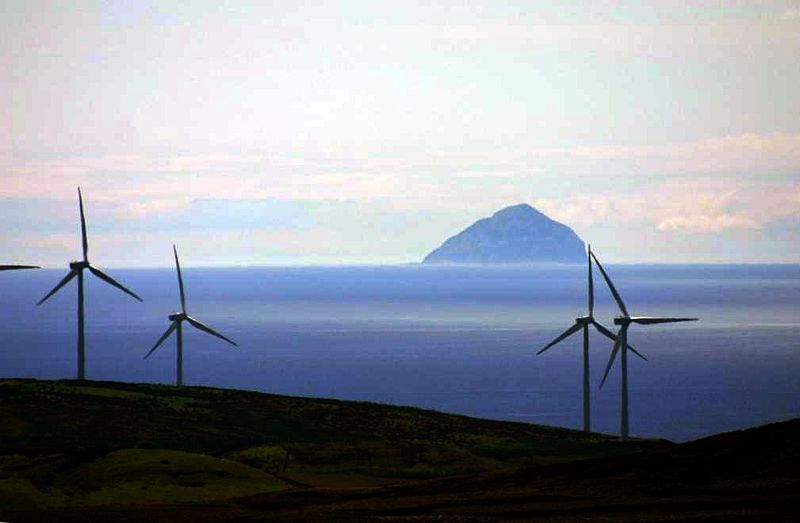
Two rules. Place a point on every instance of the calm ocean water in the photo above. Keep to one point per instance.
(449, 338)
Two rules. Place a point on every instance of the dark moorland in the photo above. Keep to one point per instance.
(103, 451)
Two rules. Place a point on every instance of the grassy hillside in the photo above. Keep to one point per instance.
(95, 451)
(751, 475)
(69, 443)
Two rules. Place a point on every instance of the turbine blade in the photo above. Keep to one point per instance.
(63, 282)
(566, 334)
(635, 352)
(591, 284)
(611, 361)
(652, 321)
(108, 279)
(604, 331)
(610, 335)
(84, 239)
(163, 337)
(611, 287)
(17, 267)
(180, 280)
(197, 324)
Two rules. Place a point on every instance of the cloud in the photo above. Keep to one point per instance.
(254, 175)
(52, 242)
(709, 193)
(142, 209)
(724, 154)
(704, 223)
(702, 205)
(792, 14)
(142, 185)
(578, 210)
(678, 34)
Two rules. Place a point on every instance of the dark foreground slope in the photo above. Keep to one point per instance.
(66, 443)
(751, 475)
(746, 475)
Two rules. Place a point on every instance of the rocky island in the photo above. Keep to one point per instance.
(516, 234)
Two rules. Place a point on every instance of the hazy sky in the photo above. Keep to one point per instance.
(367, 132)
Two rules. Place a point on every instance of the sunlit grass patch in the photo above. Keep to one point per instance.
(150, 476)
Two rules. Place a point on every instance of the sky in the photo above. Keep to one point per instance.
(291, 132)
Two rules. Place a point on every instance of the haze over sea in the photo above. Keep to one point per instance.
(457, 339)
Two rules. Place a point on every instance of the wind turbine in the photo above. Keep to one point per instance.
(624, 321)
(177, 319)
(583, 323)
(76, 269)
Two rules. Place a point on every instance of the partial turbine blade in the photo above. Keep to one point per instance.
(163, 337)
(108, 279)
(209, 330)
(180, 280)
(650, 321)
(604, 331)
(63, 282)
(611, 360)
(17, 267)
(566, 334)
(84, 238)
(610, 335)
(611, 287)
(635, 352)
(591, 284)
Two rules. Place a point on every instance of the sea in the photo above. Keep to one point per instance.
(451, 338)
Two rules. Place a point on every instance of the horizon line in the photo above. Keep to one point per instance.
(346, 264)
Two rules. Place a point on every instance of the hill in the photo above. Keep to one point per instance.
(750, 475)
(65, 443)
(95, 451)
(516, 234)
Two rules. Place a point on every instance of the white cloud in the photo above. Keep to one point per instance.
(689, 37)
(701, 205)
(705, 223)
(691, 187)
(724, 154)
(792, 14)
(578, 210)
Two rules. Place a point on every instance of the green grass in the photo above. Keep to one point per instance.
(69, 442)
(143, 476)
(151, 476)
(272, 458)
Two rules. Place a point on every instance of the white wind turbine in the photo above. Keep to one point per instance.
(176, 325)
(624, 321)
(583, 323)
(76, 269)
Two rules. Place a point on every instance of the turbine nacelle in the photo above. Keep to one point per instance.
(178, 316)
(584, 320)
(79, 265)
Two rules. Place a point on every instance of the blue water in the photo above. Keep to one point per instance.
(449, 338)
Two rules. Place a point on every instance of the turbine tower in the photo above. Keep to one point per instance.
(176, 325)
(76, 269)
(583, 323)
(624, 321)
